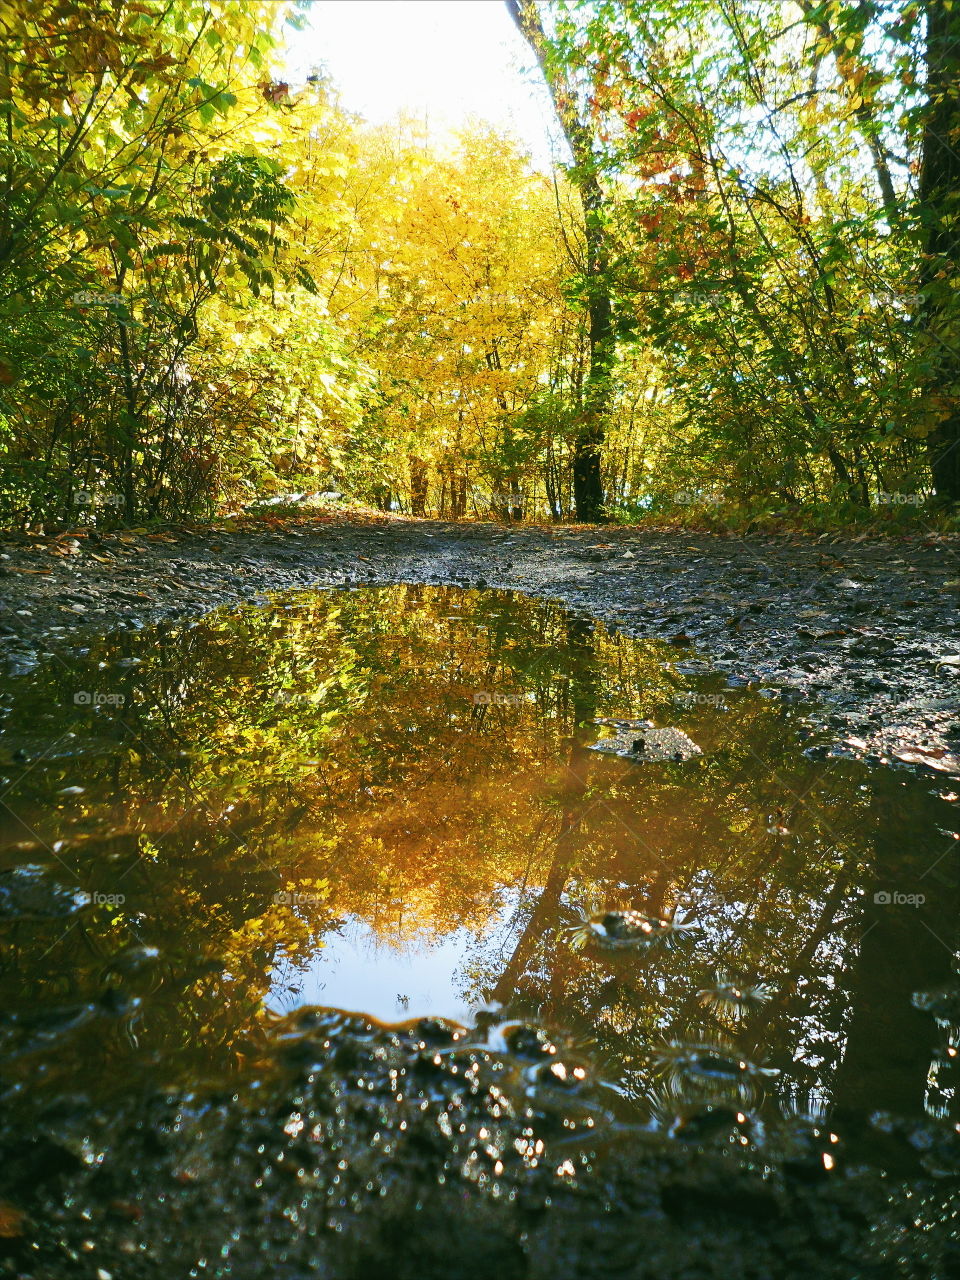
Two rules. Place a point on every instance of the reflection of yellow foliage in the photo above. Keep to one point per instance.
(396, 798)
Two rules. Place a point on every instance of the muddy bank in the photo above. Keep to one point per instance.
(867, 629)
(395, 1152)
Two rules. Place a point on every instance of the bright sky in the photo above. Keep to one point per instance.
(443, 60)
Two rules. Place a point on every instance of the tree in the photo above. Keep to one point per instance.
(596, 284)
(756, 173)
(742, 287)
(129, 193)
(448, 278)
(939, 211)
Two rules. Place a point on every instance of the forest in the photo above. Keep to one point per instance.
(479, 666)
(737, 295)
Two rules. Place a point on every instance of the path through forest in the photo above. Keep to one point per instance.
(867, 629)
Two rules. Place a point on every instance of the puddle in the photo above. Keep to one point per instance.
(384, 800)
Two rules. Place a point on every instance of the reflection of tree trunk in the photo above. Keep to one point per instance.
(904, 948)
(583, 685)
(788, 975)
(545, 910)
(657, 889)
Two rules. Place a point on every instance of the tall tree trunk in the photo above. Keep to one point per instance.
(587, 473)
(419, 484)
(128, 427)
(940, 212)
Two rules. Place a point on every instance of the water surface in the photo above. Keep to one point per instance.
(383, 800)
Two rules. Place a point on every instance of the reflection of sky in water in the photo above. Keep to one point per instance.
(391, 980)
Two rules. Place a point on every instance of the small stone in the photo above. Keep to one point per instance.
(654, 745)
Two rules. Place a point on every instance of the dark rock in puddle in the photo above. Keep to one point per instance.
(639, 740)
(30, 892)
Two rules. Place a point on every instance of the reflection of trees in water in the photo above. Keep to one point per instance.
(903, 948)
(329, 747)
(571, 799)
(789, 909)
(334, 749)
